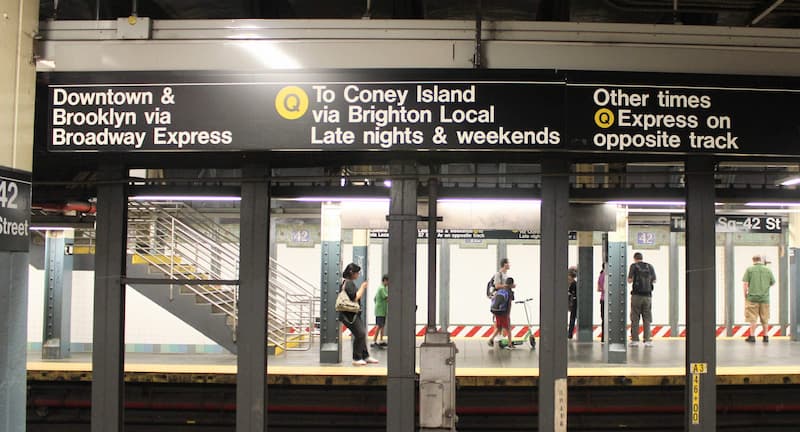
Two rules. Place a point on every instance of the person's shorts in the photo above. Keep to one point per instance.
(380, 321)
(502, 321)
(753, 311)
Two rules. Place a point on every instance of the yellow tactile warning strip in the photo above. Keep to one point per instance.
(467, 377)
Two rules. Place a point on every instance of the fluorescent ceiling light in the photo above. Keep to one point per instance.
(183, 198)
(387, 183)
(767, 211)
(497, 201)
(773, 204)
(339, 199)
(656, 210)
(791, 181)
(51, 228)
(647, 203)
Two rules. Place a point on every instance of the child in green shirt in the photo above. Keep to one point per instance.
(381, 297)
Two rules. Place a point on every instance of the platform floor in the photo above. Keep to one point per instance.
(475, 358)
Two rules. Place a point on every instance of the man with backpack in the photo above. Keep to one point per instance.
(496, 283)
(642, 275)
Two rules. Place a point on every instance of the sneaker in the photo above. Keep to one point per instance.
(370, 360)
(491, 343)
(648, 344)
(765, 339)
(634, 344)
(383, 344)
(359, 362)
(373, 345)
(750, 339)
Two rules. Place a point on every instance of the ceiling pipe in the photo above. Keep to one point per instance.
(81, 207)
(477, 58)
(765, 12)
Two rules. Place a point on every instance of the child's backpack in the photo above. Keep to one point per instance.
(490, 289)
(500, 301)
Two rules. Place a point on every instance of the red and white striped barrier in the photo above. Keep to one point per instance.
(657, 331)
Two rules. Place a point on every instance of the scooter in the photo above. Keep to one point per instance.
(528, 336)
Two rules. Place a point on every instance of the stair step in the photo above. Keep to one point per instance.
(186, 270)
(83, 250)
(155, 259)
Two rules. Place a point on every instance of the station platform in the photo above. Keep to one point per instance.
(477, 364)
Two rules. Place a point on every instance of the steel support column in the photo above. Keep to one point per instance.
(108, 342)
(330, 348)
(783, 282)
(616, 303)
(586, 286)
(58, 294)
(251, 361)
(360, 254)
(444, 284)
(701, 362)
(433, 195)
(502, 252)
(401, 383)
(730, 286)
(13, 339)
(674, 285)
(552, 292)
(794, 294)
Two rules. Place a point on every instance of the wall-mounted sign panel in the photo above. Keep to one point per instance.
(392, 110)
(15, 210)
(736, 224)
(477, 234)
(692, 120)
(306, 115)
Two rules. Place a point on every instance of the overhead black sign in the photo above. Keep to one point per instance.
(418, 110)
(736, 224)
(319, 115)
(695, 120)
(15, 210)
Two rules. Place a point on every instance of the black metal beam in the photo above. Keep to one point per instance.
(108, 350)
(401, 383)
(701, 362)
(552, 291)
(251, 361)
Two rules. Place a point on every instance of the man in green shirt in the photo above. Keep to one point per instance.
(381, 297)
(757, 280)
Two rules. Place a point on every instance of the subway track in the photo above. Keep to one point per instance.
(64, 406)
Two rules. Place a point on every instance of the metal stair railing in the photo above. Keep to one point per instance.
(180, 252)
(299, 302)
(177, 232)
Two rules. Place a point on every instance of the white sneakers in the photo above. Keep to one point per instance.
(635, 344)
(368, 360)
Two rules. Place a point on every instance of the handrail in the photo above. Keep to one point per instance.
(183, 243)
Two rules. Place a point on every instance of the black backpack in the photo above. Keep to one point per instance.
(643, 282)
(490, 289)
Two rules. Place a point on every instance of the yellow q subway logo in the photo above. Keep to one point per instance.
(291, 102)
(604, 118)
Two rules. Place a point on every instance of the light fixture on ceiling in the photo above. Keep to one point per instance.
(183, 198)
(647, 203)
(790, 181)
(772, 204)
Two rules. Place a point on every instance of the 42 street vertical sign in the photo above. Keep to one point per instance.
(15, 210)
